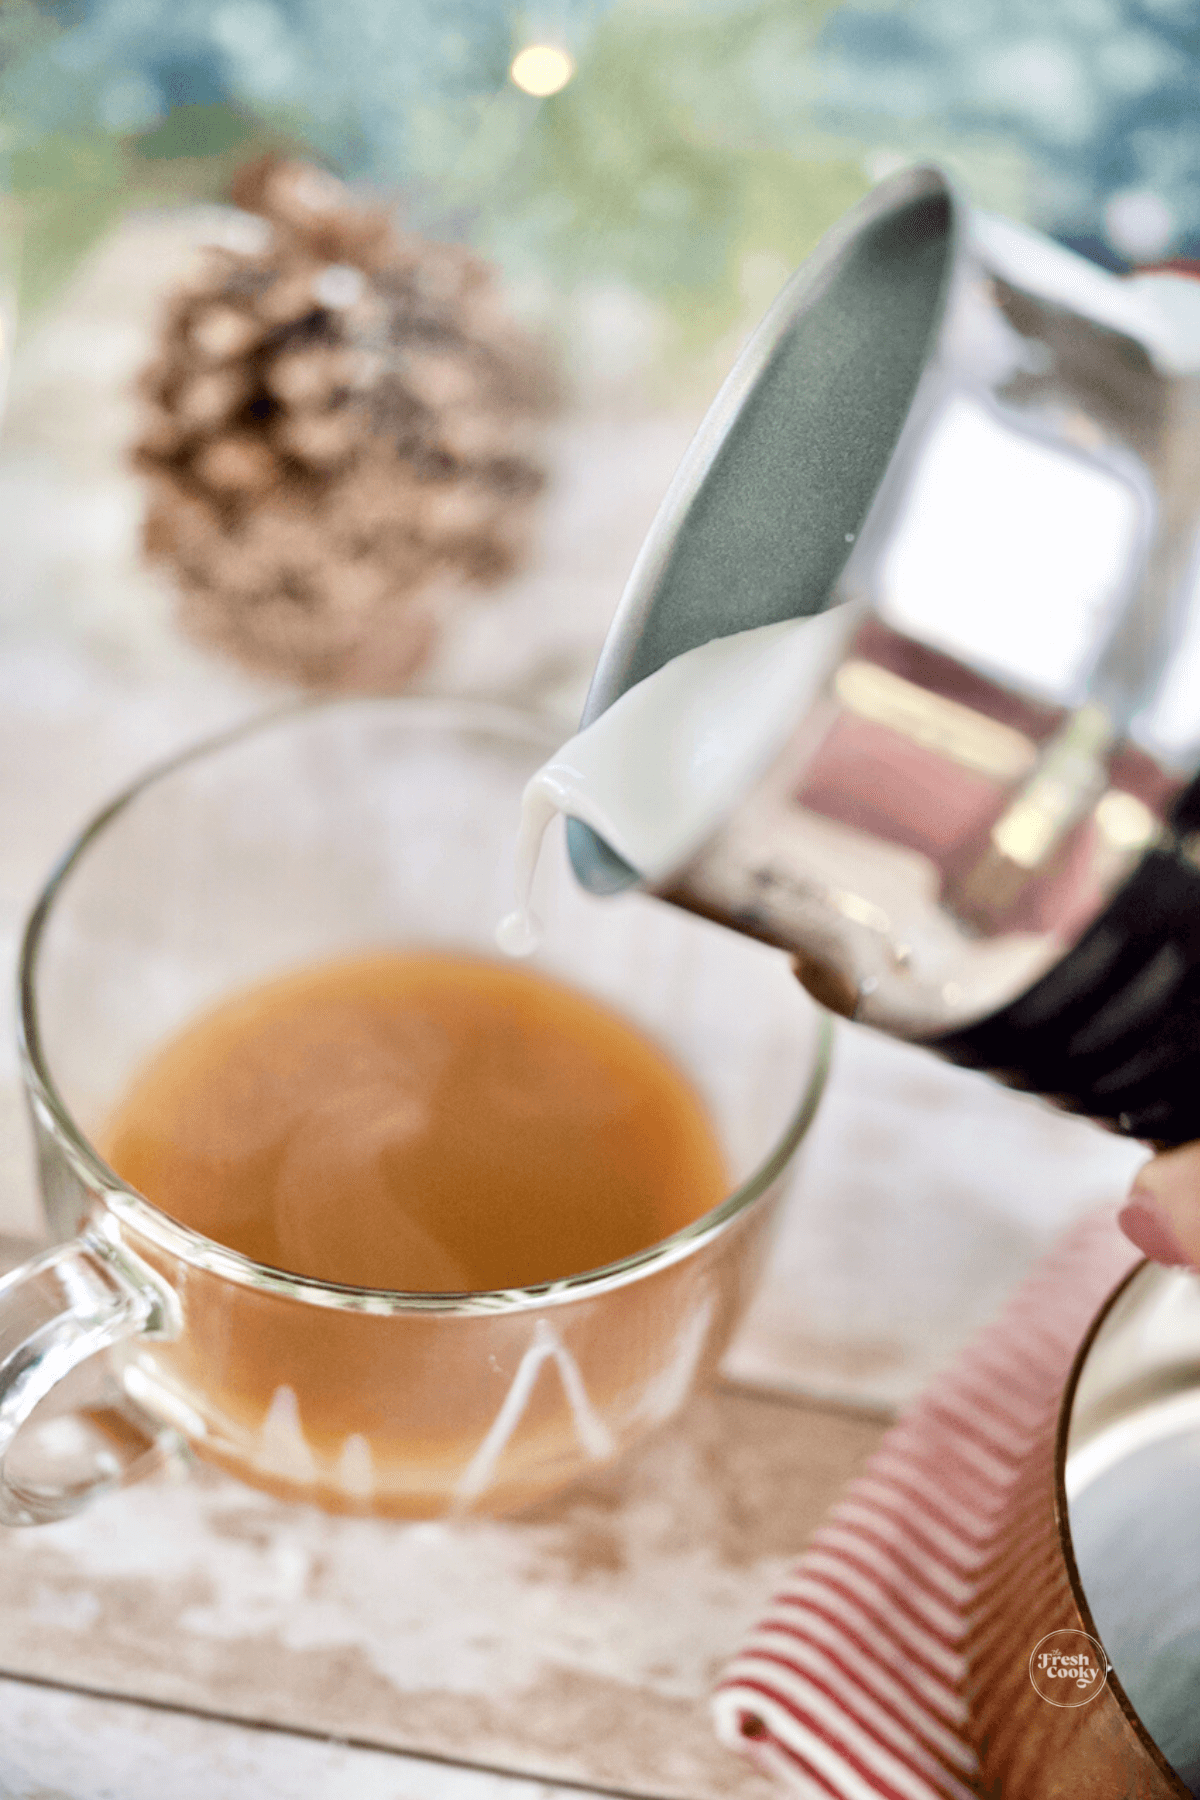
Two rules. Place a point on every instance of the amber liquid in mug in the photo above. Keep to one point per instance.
(419, 1121)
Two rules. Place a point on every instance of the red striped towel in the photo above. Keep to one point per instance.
(851, 1683)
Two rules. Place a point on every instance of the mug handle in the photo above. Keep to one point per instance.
(58, 1310)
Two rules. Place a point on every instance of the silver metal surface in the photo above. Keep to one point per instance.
(1005, 442)
(1133, 1487)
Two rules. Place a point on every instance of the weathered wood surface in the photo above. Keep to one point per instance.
(575, 1643)
(59, 1745)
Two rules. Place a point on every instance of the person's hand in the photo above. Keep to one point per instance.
(1162, 1214)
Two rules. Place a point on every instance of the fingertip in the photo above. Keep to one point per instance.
(1150, 1230)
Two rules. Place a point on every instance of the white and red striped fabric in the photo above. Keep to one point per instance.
(851, 1683)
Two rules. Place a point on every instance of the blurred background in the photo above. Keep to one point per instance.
(642, 173)
(691, 151)
(640, 176)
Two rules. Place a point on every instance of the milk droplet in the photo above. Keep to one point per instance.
(519, 933)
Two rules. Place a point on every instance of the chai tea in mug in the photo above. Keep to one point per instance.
(424, 1231)
(422, 1122)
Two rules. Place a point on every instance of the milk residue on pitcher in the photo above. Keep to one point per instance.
(656, 773)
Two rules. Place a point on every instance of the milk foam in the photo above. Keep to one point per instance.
(655, 774)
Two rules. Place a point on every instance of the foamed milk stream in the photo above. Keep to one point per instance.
(655, 774)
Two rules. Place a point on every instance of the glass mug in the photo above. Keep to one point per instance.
(327, 830)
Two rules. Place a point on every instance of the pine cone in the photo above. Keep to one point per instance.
(341, 429)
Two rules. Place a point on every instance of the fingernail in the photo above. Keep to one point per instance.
(1145, 1226)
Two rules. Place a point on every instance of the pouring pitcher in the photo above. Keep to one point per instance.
(979, 830)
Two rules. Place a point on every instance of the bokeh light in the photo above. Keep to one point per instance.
(541, 70)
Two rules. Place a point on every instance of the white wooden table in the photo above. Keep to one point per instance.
(192, 1637)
